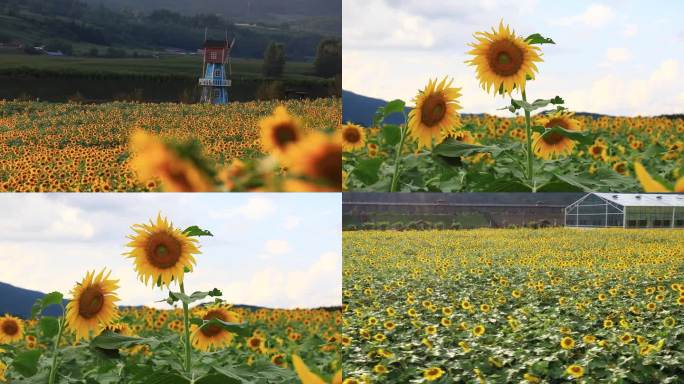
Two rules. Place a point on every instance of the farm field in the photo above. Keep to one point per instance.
(76, 147)
(513, 306)
(165, 66)
(487, 155)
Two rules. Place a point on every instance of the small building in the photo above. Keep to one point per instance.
(216, 69)
(627, 210)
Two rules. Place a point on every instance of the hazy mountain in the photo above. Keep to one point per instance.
(18, 301)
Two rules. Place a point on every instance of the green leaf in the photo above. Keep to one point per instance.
(451, 147)
(393, 106)
(165, 378)
(111, 340)
(392, 134)
(49, 326)
(367, 170)
(241, 329)
(26, 363)
(583, 137)
(196, 296)
(196, 231)
(51, 298)
(536, 38)
(219, 378)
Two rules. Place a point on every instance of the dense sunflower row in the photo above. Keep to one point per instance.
(96, 341)
(513, 305)
(75, 147)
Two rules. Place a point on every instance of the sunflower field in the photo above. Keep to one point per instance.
(544, 147)
(513, 306)
(201, 340)
(170, 147)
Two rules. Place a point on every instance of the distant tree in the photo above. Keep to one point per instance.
(115, 52)
(274, 60)
(329, 58)
(94, 52)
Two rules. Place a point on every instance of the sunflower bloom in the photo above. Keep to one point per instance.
(436, 113)
(279, 131)
(433, 373)
(353, 137)
(318, 157)
(503, 60)
(554, 144)
(11, 329)
(93, 304)
(652, 185)
(153, 159)
(575, 371)
(213, 336)
(308, 377)
(161, 252)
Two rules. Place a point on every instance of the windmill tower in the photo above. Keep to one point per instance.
(216, 70)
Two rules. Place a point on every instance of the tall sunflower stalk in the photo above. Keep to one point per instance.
(92, 308)
(162, 255)
(504, 62)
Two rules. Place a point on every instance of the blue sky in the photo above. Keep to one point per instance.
(276, 250)
(621, 57)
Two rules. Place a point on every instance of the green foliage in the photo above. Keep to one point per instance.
(26, 363)
(52, 298)
(196, 231)
(274, 60)
(328, 62)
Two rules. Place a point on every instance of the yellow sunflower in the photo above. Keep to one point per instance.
(308, 377)
(554, 144)
(11, 329)
(575, 371)
(319, 157)
(279, 131)
(353, 137)
(213, 336)
(433, 373)
(154, 159)
(122, 329)
(93, 304)
(436, 112)
(3, 369)
(652, 185)
(161, 252)
(503, 60)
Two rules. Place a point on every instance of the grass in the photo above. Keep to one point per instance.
(165, 66)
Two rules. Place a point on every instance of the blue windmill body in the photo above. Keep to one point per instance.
(215, 80)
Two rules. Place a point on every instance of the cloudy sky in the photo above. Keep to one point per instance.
(620, 57)
(274, 250)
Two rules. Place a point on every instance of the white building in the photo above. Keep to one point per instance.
(627, 210)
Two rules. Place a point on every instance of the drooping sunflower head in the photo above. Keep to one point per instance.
(161, 252)
(554, 144)
(318, 157)
(503, 60)
(353, 137)
(93, 305)
(212, 336)
(153, 159)
(11, 329)
(436, 112)
(279, 131)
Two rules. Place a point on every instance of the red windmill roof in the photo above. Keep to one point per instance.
(215, 44)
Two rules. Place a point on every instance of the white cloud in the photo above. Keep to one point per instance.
(256, 208)
(319, 284)
(615, 55)
(595, 16)
(630, 30)
(277, 247)
(291, 222)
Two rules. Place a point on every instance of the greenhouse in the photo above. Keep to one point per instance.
(627, 210)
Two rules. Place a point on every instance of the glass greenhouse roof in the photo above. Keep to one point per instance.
(644, 199)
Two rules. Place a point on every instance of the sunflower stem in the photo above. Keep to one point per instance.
(528, 130)
(186, 323)
(53, 368)
(397, 158)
